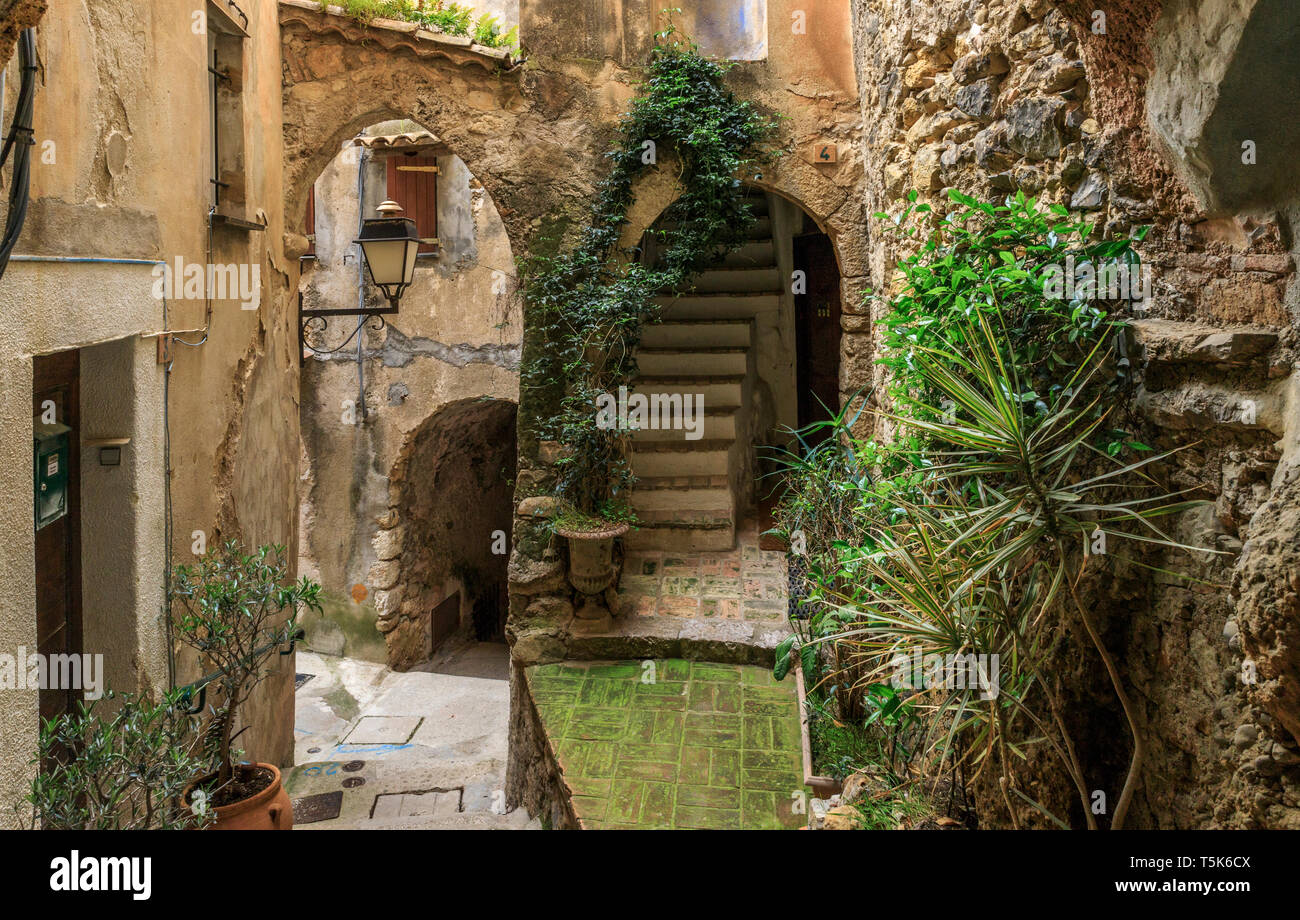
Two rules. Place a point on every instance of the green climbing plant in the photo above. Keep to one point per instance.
(970, 530)
(589, 301)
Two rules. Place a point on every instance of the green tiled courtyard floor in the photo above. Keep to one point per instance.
(674, 744)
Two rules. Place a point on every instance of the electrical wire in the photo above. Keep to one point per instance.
(19, 143)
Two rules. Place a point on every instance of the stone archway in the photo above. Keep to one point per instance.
(446, 535)
(536, 152)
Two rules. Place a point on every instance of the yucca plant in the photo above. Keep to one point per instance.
(988, 555)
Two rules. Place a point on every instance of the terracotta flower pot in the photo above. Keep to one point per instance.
(591, 554)
(268, 810)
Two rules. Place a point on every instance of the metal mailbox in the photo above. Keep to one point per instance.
(50, 449)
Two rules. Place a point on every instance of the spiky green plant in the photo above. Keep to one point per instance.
(987, 556)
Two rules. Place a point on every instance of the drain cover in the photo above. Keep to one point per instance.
(321, 807)
(353, 782)
(300, 679)
(426, 803)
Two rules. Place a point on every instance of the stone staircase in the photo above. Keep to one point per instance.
(689, 494)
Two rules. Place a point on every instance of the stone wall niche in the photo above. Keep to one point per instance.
(1224, 97)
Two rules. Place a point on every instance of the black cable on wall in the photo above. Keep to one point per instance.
(18, 142)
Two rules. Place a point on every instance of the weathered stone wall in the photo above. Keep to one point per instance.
(994, 97)
(456, 338)
(16, 15)
(121, 171)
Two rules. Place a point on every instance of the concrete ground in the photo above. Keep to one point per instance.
(425, 748)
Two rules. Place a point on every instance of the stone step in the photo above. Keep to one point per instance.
(516, 820)
(681, 458)
(696, 362)
(760, 230)
(737, 280)
(754, 254)
(702, 333)
(719, 306)
(714, 390)
(687, 537)
(673, 492)
(719, 423)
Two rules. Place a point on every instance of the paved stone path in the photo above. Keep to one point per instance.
(424, 748)
(673, 743)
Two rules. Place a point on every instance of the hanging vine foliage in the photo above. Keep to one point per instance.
(590, 302)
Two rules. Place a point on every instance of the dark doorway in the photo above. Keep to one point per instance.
(446, 620)
(817, 325)
(56, 387)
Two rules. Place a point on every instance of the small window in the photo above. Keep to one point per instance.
(413, 183)
(225, 60)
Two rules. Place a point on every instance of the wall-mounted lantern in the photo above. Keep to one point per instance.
(389, 244)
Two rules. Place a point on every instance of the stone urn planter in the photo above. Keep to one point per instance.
(268, 809)
(591, 556)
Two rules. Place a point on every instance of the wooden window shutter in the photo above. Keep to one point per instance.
(413, 183)
(309, 226)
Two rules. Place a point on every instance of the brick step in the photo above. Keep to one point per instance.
(697, 362)
(719, 423)
(719, 306)
(704, 333)
(715, 390)
(683, 537)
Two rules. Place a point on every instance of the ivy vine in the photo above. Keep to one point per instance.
(590, 301)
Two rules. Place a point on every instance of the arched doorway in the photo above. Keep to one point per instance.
(756, 341)
(451, 495)
(407, 482)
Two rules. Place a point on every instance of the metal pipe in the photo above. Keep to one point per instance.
(109, 260)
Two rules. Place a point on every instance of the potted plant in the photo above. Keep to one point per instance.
(238, 612)
(591, 509)
(127, 770)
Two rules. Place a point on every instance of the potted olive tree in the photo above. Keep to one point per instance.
(122, 762)
(238, 612)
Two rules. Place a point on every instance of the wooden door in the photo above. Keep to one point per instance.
(56, 380)
(817, 317)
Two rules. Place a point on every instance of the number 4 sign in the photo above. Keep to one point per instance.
(825, 153)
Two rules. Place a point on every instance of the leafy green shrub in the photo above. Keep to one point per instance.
(236, 610)
(437, 15)
(122, 770)
(1008, 463)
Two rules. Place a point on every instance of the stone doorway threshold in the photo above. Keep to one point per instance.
(422, 749)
